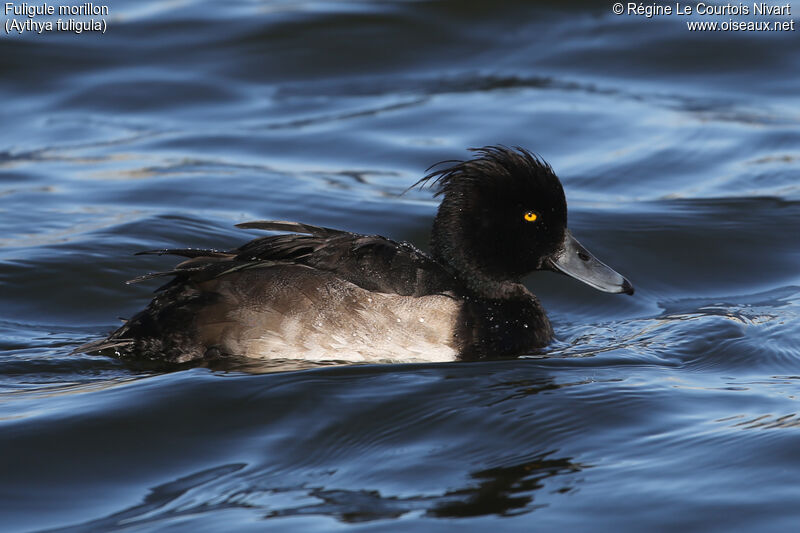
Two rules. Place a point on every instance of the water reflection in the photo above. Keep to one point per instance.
(507, 490)
(503, 491)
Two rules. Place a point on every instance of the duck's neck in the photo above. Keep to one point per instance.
(488, 288)
(467, 267)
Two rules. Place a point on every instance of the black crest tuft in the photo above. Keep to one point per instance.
(493, 162)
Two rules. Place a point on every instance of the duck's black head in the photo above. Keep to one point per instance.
(503, 215)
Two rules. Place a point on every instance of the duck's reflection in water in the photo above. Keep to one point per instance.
(504, 491)
(507, 490)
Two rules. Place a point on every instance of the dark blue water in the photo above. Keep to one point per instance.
(674, 410)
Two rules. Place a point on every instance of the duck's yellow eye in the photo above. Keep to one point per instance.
(530, 216)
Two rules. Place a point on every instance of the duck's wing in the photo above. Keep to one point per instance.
(371, 262)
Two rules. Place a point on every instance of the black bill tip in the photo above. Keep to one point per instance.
(627, 288)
